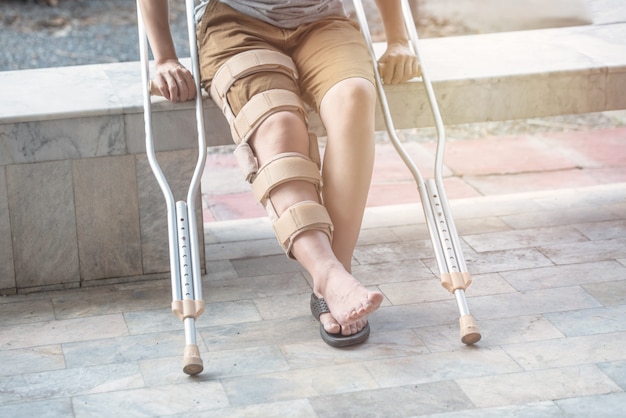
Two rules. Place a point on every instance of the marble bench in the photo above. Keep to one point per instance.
(80, 206)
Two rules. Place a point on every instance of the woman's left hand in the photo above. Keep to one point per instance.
(398, 64)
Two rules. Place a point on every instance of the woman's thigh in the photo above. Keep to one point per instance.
(327, 52)
(224, 33)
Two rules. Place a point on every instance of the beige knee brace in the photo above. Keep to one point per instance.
(302, 216)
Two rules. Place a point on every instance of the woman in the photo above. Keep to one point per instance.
(263, 62)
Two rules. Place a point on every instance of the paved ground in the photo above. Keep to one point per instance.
(549, 294)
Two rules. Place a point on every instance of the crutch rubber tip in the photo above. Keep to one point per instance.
(192, 362)
(469, 330)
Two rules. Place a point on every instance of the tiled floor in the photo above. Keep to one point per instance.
(543, 225)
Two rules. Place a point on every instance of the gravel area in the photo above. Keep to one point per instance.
(75, 32)
(34, 34)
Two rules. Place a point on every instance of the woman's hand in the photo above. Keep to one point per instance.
(174, 81)
(398, 64)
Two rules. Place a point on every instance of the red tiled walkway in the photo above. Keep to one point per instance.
(473, 167)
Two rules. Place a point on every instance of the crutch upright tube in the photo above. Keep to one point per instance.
(187, 303)
(443, 234)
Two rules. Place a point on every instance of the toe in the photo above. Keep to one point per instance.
(353, 328)
(330, 324)
(349, 329)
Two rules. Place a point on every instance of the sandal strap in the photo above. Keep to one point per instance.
(318, 306)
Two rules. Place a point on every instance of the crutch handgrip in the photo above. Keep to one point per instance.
(154, 90)
(187, 308)
(456, 280)
(192, 362)
(470, 333)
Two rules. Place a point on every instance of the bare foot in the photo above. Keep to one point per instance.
(348, 301)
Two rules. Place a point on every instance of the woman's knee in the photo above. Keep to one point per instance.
(355, 91)
(281, 132)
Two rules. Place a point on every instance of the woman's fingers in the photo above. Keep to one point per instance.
(175, 82)
(398, 64)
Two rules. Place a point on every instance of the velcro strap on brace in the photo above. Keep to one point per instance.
(242, 65)
(260, 107)
(301, 217)
(247, 63)
(284, 168)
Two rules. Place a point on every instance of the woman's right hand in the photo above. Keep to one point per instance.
(174, 81)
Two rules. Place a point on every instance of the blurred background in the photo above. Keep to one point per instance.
(52, 33)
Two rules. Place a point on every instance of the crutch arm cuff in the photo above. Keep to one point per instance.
(456, 280)
(187, 308)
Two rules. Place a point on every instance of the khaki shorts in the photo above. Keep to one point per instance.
(325, 52)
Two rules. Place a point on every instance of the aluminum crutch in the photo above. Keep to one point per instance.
(443, 234)
(187, 303)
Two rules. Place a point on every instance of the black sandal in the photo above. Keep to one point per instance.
(318, 307)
